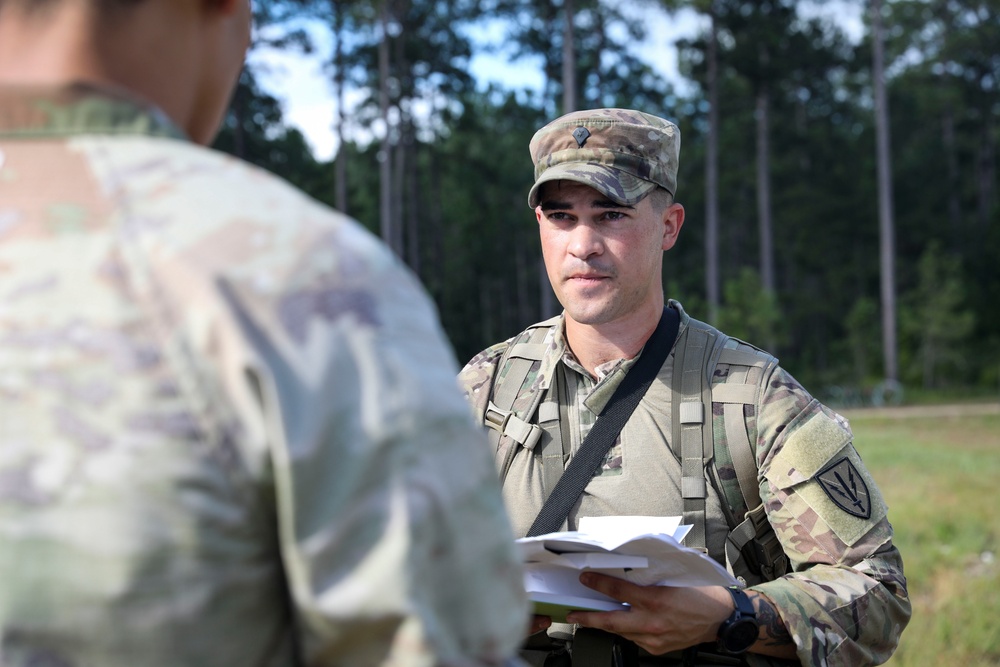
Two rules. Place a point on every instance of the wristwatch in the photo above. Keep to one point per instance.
(739, 632)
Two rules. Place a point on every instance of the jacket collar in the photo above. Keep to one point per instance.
(30, 112)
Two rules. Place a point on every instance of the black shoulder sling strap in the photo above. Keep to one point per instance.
(608, 425)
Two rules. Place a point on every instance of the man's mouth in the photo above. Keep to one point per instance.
(587, 277)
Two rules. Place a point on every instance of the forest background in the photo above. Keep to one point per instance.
(867, 274)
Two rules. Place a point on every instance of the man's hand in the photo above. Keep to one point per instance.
(661, 618)
(539, 623)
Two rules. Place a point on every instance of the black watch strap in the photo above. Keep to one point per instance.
(742, 602)
(739, 632)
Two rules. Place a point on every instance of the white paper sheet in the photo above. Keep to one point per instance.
(615, 546)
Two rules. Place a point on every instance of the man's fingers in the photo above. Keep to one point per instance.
(539, 623)
(630, 625)
(609, 621)
(619, 589)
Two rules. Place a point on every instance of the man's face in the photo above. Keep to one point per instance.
(603, 259)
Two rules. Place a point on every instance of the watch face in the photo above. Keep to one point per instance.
(740, 635)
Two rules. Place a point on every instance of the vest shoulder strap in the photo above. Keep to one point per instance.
(753, 551)
(691, 420)
(737, 378)
(510, 414)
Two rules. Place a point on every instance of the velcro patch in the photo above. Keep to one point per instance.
(846, 488)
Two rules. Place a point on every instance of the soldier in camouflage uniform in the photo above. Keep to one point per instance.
(603, 197)
(229, 427)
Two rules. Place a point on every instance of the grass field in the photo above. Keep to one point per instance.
(939, 470)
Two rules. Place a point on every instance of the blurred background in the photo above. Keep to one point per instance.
(838, 164)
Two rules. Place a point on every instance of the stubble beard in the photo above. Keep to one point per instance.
(598, 307)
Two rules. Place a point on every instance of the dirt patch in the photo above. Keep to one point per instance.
(925, 411)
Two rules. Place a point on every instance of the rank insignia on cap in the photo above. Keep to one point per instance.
(581, 134)
(846, 488)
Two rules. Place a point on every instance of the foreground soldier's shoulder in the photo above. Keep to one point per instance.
(490, 356)
(291, 265)
(479, 372)
(264, 228)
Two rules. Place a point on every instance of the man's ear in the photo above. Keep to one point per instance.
(673, 220)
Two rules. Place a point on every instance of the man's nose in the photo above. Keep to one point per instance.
(585, 242)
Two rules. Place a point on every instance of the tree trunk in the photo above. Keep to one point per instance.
(385, 155)
(552, 76)
(569, 59)
(400, 148)
(986, 171)
(413, 207)
(885, 209)
(546, 298)
(951, 160)
(602, 45)
(340, 162)
(524, 285)
(712, 281)
(764, 189)
(929, 348)
(435, 270)
(399, 159)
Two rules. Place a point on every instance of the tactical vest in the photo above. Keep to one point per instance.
(716, 384)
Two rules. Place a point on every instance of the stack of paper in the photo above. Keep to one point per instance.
(643, 550)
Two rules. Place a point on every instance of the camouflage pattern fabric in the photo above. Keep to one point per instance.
(229, 427)
(845, 601)
(623, 154)
(587, 399)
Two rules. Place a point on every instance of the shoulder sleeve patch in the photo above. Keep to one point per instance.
(843, 496)
(846, 488)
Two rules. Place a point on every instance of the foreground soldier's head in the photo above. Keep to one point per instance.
(184, 56)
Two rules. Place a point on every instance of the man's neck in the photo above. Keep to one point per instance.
(624, 338)
(72, 45)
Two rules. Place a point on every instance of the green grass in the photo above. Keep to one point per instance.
(940, 474)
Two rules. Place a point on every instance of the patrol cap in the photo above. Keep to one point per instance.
(621, 153)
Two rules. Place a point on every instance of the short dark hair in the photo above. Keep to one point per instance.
(661, 199)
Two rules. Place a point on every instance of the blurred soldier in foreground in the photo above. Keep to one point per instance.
(229, 427)
(766, 475)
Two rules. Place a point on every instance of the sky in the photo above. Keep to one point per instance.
(308, 104)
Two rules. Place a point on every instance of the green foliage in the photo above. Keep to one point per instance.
(487, 283)
(692, 299)
(750, 312)
(459, 154)
(863, 332)
(934, 323)
(944, 105)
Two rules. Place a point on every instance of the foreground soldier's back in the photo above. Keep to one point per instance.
(229, 430)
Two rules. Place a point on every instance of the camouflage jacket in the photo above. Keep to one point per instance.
(845, 600)
(229, 427)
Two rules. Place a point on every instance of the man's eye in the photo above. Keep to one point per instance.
(614, 215)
